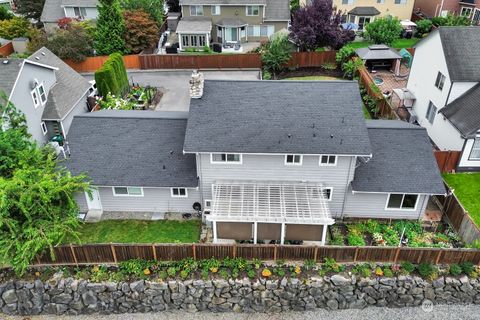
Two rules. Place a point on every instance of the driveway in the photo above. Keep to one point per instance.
(175, 84)
(441, 312)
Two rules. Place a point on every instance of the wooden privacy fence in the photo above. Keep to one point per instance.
(92, 64)
(6, 49)
(114, 253)
(385, 111)
(447, 160)
(311, 59)
(211, 61)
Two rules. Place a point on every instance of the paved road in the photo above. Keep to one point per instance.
(469, 312)
(174, 84)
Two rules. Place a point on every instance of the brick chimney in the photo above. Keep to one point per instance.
(196, 85)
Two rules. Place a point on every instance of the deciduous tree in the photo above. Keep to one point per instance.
(72, 43)
(173, 5)
(276, 53)
(14, 28)
(30, 8)
(110, 35)
(318, 25)
(384, 30)
(141, 31)
(155, 8)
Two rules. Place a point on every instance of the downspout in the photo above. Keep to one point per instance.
(449, 91)
(347, 188)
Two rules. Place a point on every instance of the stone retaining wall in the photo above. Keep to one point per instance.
(69, 296)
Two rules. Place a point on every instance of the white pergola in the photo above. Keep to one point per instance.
(270, 202)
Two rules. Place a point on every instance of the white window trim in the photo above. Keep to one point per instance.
(226, 161)
(44, 128)
(331, 193)
(441, 81)
(403, 197)
(178, 195)
(294, 163)
(213, 10)
(435, 110)
(207, 208)
(127, 195)
(252, 15)
(40, 95)
(327, 164)
(34, 94)
(471, 150)
(196, 6)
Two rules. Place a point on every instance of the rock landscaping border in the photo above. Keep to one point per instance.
(69, 296)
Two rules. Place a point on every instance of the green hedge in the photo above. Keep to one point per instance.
(112, 77)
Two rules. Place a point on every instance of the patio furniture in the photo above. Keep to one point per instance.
(237, 45)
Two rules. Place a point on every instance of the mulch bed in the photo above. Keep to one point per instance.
(309, 72)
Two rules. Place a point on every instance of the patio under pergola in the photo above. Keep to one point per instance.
(269, 210)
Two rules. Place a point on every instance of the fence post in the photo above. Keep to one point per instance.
(356, 254)
(275, 252)
(73, 254)
(194, 251)
(112, 247)
(154, 252)
(439, 254)
(397, 253)
(234, 253)
(315, 253)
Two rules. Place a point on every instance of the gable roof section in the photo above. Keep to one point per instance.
(402, 161)
(9, 73)
(226, 2)
(306, 117)
(364, 11)
(80, 3)
(461, 47)
(131, 148)
(464, 112)
(52, 11)
(277, 10)
(70, 86)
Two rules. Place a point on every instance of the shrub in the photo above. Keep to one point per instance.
(384, 30)
(171, 272)
(251, 273)
(424, 26)
(112, 76)
(355, 237)
(5, 14)
(184, 274)
(455, 270)
(277, 53)
(451, 20)
(224, 273)
(266, 273)
(467, 267)
(427, 270)
(14, 28)
(331, 265)
(329, 66)
(407, 267)
(266, 75)
(364, 270)
(351, 67)
(133, 267)
(337, 237)
(387, 272)
(344, 54)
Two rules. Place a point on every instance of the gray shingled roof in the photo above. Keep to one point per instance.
(308, 117)
(52, 11)
(402, 160)
(461, 46)
(378, 52)
(230, 2)
(9, 73)
(277, 10)
(131, 148)
(80, 3)
(70, 86)
(464, 112)
(194, 25)
(364, 11)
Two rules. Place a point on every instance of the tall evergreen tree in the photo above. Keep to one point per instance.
(110, 36)
(30, 8)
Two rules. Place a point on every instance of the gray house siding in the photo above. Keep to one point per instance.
(80, 108)
(272, 168)
(154, 200)
(372, 205)
(81, 201)
(22, 98)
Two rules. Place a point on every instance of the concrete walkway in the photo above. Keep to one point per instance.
(444, 312)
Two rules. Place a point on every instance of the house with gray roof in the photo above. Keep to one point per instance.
(55, 10)
(271, 166)
(446, 86)
(48, 91)
(230, 21)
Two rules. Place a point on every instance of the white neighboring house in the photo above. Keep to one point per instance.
(445, 79)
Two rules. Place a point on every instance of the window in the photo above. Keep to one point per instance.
(80, 12)
(179, 192)
(263, 30)
(475, 153)
(196, 10)
(208, 204)
(466, 12)
(402, 201)
(36, 101)
(225, 157)
(440, 81)
(42, 93)
(253, 10)
(431, 112)
(44, 128)
(363, 21)
(400, 1)
(215, 10)
(476, 16)
(293, 159)
(328, 160)
(128, 191)
(327, 193)
(381, 1)
(347, 1)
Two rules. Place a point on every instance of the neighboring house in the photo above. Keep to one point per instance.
(7, 4)
(445, 79)
(223, 21)
(269, 166)
(362, 12)
(46, 90)
(55, 10)
(440, 8)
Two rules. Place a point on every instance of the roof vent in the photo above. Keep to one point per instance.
(37, 58)
(196, 85)
(43, 53)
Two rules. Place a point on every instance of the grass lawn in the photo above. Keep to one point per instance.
(467, 189)
(398, 44)
(314, 78)
(136, 231)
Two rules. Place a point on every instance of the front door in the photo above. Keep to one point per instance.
(231, 34)
(93, 200)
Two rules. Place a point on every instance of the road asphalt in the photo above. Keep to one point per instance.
(442, 312)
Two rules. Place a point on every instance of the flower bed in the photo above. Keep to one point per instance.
(374, 233)
(139, 98)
